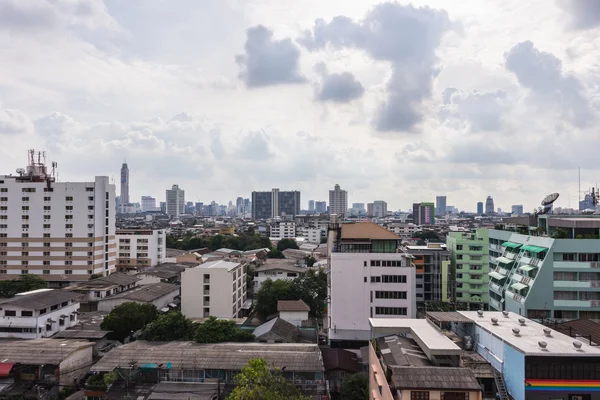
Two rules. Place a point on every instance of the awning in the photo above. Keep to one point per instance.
(535, 249)
(527, 268)
(147, 365)
(518, 286)
(496, 275)
(172, 305)
(511, 245)
(5, 369)
(504, 260)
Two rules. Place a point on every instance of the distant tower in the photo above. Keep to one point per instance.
(489, 205)
(124, 185)
(480, 208)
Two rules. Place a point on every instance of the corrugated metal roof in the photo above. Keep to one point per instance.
(230, 356)
(39, 351)
(446, 378)
(80, 334)
(450, 316)
(146, 293)
(40, 300)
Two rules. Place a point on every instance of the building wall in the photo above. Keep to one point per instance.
(438, 394)
(70, 230)
(76, 365)
(514, 372)
(141, 249)
(175, 201)
(283, 230)
(273, 275)
(294, 317)
(378, 386)
(38, 322)
(222, 300)
(351, 289)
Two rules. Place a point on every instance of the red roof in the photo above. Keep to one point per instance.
(5, 369)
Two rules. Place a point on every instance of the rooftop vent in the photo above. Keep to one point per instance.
(516, 331)
(480, 313)
(494, 321)
(522, 321)
(577, 344)
(548, 332)
(505, 313)
(542, 345)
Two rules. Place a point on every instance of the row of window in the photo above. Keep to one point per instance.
(45, 272)
(68, 198)
(572, 276)
(391, 311)
(572, 295)
(389, 295)
(581, 257)
(385, 263)
(388, 279)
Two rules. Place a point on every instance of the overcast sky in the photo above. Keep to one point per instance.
(393, 101)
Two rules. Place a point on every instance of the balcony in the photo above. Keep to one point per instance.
(575, 266)
(495, 304)
(515, 296)
(495, 288)
(578, 304)
(577, 284)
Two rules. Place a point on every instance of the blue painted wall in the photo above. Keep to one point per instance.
(514, 372)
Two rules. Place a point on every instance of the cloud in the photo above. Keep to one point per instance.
(268, 62)
(405, 36)
(14, 122)
(542, 73)
(482, 111)
(338, 87)
(584, 14)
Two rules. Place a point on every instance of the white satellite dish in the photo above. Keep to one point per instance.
(20, 171)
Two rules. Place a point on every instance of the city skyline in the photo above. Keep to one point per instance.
(278, 103)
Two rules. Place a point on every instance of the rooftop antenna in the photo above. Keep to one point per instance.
(579, 190)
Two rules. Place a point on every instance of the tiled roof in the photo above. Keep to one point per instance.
(292, 305)
(446, 378)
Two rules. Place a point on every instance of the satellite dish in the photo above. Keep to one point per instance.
(551, 198)
(544, 210)
(20, 171)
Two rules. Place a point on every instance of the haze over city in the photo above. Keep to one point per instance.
(465, 99)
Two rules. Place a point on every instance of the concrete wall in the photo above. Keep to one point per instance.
(514, 372)
(76, 365)
(489, 347)
(294, 317)
(378, 386)
(38, 323)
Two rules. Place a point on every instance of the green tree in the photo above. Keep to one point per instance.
(285, 244)
(274, 253)
(259, 382)
(23, 283)
(428, 235)
(272, 291)
(127, 318)
(215, 330)
(169, 327)
(355, 387)
(311, 287)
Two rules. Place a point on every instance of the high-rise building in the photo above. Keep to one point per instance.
(359, 207)
(175, 201)
(379, 209)
(432, 263)
(198, 207)
(247, 205)
(338, 201)
(440, 206)
(321, 207)
(480, 208)
(423, 213)
(275, 203)
(311, 205)
(148, 203)
(469, 268)
(62, 231)
(517, 209)
(239, 206)
(124, 184)
(489, 205)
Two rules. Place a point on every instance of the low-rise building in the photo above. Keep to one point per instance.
(282, 230)
(97, 289)
(293, 311)
(168, 273)
(200, 363)
(140, 249)
(275, 269)
(49, 364)
(162, 295)
(215, 288)
(38, 314)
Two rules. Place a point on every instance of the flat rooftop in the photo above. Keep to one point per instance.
(219, 264)
(146, 293)
(229, 356)
(366, 230)
(530, 334)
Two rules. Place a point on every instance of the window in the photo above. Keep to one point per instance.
(26, 313)
(419, 395)
(589, 276)
(47, 208)
(47, 199)
(24, 198)
(565, 295)
(389, 295)
(68, 217)
(3, 190)
(25, 217)
(89, 189)
(459, 276)
(10, 313)
(48, 189)
(24, 272)
(459, 247)
(68, 272)
(90, 208)
(3, 208)
(68, 253)
(69, 244)
(68, 226)
(25, 226)
(584, 257)
(391, 310)
(565, 276)
(393, 278)
(28, 190)
(46, 226)
(46, 254)
(375, 279)
(69, 198)
(25, 208)
(46, 236)
(90, 226)
(569, 256)
(45, 262)
(459, 256)
(454, 396)
(3, 217)
(3, 198)
(91, 198)
(68, 235)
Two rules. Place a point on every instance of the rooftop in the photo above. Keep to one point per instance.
(340, 359)
(530, 334)
(167, 271)
(279, 327)
(219, 264)
(116, 279)
(81, 334)
(39, 351)
(446, 378)
(230, 356)
(366, 230)
(292, 305)
(400, 351)
(449, 316)
(280, 265)
(146, 293)
(40, 300)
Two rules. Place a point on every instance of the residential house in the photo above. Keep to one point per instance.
(293, 311)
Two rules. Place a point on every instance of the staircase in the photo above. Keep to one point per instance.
(500, 386)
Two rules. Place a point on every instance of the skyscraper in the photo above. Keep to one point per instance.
(124, 186)
(338, 201)
(275, 203)
(440, 206)
(489, 205)
(175, 201)
(239, 206)
(480, 208)
(311, 205)
(379, 209)
(321, 207)
(423, 213)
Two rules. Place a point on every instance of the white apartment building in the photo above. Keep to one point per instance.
(37, 314)
(215, 288)
(62, 231)
(405, 231)
(338, 201)
(175, 201)
(275, 269)
(149, 204)
(368, 279)
(282, 230)
(310, 235)
(140, 249)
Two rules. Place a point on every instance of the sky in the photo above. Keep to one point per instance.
(394, 101)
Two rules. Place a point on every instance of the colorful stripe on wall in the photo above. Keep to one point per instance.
(544, 385)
